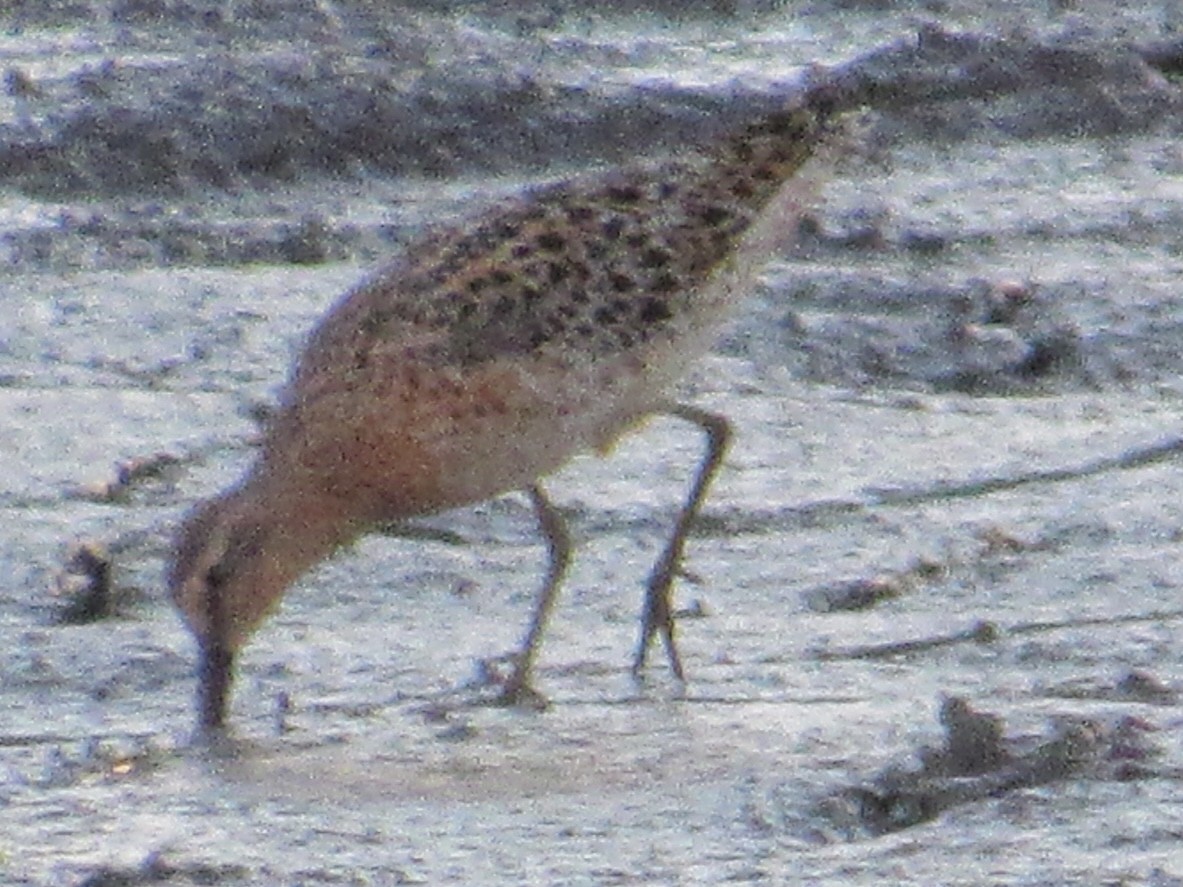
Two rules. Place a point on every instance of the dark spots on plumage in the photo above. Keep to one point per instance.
(622, 283)
(743, 189)
(612, 228)
(665, 283)
(798, 124)
(605, 316)
(722, 237)
(744, 152)
(535, 271)
(782, 154)
(626, 194)
(551, 241)
(765, 173)
(580, 213)
(654, 311)
(715, 215)
(655, 257)
(783, 124)
(704, 258)
(521, 250)
(557, 273)
(484, 235)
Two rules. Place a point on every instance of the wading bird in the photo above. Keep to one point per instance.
(488, 356)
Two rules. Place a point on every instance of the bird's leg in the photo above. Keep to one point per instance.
(658, 613)
(517, 690)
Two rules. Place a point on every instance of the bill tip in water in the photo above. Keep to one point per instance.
(215, 671)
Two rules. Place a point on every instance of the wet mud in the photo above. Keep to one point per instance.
(931, 616)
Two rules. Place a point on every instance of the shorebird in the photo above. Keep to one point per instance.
(487, 357)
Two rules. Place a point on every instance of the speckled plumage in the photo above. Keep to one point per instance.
(485, 358)
(590, 266)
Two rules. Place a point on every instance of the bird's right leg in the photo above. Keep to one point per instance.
(658, 613)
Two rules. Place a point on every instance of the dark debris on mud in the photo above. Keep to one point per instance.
(952, 86)
(977, 761)
(364, 92)
(157, 869)
(83, 587)
(978, 337)
(391, 94)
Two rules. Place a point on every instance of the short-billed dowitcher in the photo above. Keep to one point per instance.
(487, 357)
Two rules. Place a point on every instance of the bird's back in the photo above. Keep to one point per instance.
(491, 353)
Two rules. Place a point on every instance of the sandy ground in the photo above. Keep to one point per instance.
(961, 392)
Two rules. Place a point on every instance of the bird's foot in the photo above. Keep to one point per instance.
(658, 619)
(521, 695)
(511, 691)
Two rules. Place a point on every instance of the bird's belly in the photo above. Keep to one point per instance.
(519, 426)
(455, 438)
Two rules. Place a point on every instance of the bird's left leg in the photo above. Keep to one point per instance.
(658, 613)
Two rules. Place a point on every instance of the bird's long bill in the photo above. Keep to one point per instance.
(215, 672)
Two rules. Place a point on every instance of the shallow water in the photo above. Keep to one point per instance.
(886, 428)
